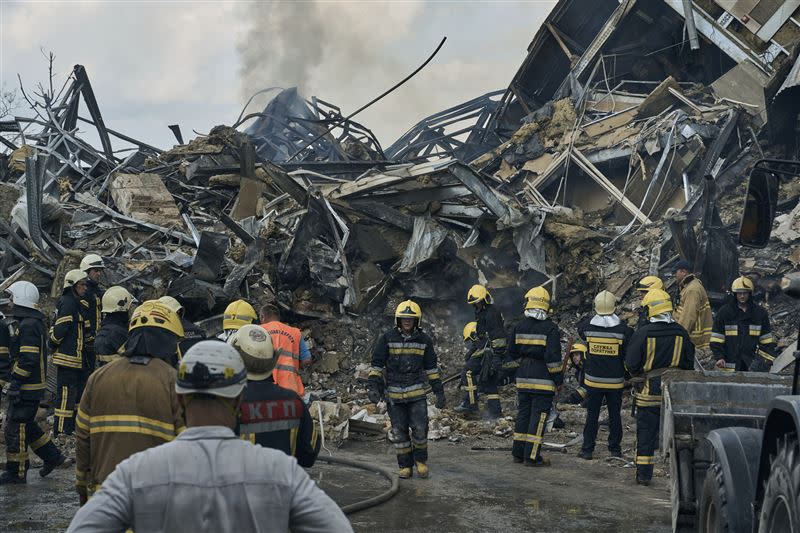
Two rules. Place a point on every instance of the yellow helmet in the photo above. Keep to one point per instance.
(650, 282)
(471, 331)
(605, 303)
(657, 302)
(537, 298)
(578, 347)
(117, 299)
(478, 293)
(743, 284)
(238, 314)
(408, 309)
(154, 314)
(172, 303)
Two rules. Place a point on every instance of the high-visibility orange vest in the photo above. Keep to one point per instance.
(286, 342)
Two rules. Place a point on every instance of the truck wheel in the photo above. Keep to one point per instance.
(714, 502)
(779, 512)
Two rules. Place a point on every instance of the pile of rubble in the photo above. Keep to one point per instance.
(612, 153)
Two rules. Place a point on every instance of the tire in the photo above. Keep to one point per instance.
(714, 516)
(779, 511)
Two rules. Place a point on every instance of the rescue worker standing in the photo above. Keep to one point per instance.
(191, 333)
(742, 336)
(286, 342)
(605, 337)
(577, 360)
(694, 311)
(536, 343)
(272, 416)
(26, 389)
(655, 347)
(207, 479)
(403, 361)
(472, 368)
(492, 333)
(130, 404)
(93, 265)
(645, 284)
(110, 340)
(67, 336)
(5, 352)
(238, 313)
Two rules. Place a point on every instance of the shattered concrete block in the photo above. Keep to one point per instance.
(145, 197)
(329, 363)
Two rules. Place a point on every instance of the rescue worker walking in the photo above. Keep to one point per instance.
(192, 334)
(93, 265)
(470, 376)
(26, 389)
(67, 336)
(694, 311)
(287, 342)
(536, 343)
(742, 337)
(129, 404)
(207, 479)
(238, 313)
(492, 333)
(403, 361)
(109, 343)
(655, 347)
(605, 337)
(272, 416)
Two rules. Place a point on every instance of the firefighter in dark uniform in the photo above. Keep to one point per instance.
(577, 358)
(26, 389)
(109, 344)
(473, 357)
(6, 362)
(192, 333)
(536, 343)
(403, 362)
(742, 338)
(657, 346)
(492, 333)
(605, 337)
(272, 416)
(67, 337)
(92, 302)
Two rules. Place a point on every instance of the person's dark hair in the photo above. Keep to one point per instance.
(270, 310)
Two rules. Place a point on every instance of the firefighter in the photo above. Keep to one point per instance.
(470, 376)
(67, 336)
(402, 362)
(238, 313)
(92, 302)
(192, 334)
(694, 311)
(291, 348)
(6, 363)
(26, 389)
(742, 337)
(536, 343)
(130, 404)
(655, 347)
(577, 358)
(272, 416)
(491, 332)
(605, 338)
(644, 285)
(109, 343)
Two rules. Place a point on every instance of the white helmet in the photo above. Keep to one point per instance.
(117, 299)
(173, 304)
(74, 276)
(212, 367)
(255, 346)
(92, 261)
(24, 294)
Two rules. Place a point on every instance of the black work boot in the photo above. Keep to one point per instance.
(49, 467)
(7, 478)
(615, 453)
(583, 454)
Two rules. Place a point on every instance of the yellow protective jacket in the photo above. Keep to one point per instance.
(128, 405)
(694, 312)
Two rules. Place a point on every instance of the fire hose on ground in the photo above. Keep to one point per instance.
(369, 502)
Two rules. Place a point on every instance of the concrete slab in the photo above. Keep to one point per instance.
(145, 197)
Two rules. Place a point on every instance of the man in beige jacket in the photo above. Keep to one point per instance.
(694, 311)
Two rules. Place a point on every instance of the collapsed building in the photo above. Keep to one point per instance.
(613, 152)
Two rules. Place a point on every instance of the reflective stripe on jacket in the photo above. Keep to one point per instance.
(286, 342)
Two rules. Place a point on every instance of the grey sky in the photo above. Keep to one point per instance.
(158, 63)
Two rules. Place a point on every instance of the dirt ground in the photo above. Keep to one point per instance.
(467, 491)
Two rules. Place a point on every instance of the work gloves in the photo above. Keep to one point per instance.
(13, 392)
(374, 396)
(440, 400)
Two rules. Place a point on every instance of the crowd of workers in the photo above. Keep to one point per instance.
(130, 379)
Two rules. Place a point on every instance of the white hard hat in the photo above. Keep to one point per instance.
(255, 346)
(605, 303)
(92, 261)
(74, 276)
(212, 367)
(117, 299)
(172, 303)
(24, 294)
